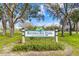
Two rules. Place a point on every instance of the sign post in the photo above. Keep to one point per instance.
(39, 34)
(23, 36)
(56, 35)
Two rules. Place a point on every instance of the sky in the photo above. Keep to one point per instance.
(48, 21)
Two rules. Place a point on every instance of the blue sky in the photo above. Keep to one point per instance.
(48, 20)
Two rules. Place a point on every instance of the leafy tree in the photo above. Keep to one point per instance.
(14, 12)
(61, 11)
(74, 15)
(3, 18)
(56, 9)
(35, 12)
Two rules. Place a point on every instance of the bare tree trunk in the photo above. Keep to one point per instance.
(62, 31)
(76, 28)
(70, 29)
(4, 24)
(11, 26)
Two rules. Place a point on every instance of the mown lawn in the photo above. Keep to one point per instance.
(36, 43)
(6, 40)
(72, 41)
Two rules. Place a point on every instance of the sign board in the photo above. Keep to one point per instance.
(39, 33)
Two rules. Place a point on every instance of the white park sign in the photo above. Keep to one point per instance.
(39, 34)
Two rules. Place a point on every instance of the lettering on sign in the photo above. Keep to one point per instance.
(39, 33)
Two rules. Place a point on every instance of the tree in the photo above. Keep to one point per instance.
(56, 9)
(61, 11)
(3, 18)
(35, 12)
(11, 9)
(74, 15)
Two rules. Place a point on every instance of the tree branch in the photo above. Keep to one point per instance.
(7, 7)
(21, 14)
(13, 7)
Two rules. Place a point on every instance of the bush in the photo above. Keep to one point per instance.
(39, 45)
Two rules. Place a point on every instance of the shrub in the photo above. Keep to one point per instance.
(39, 45)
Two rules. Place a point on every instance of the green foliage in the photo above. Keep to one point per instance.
(43, 28)
(40, 28)
(39, 44)
(51, 27)
(71, 40)
(75, 15)
(7, 40)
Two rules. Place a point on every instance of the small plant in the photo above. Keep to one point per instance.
(39, 45)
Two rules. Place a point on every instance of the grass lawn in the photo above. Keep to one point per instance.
(6, 40)
(39, 44)
(47, 43)
(72, 41)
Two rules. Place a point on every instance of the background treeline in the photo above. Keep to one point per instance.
(13, 13)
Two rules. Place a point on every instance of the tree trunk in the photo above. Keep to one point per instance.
(70, 29)
(62, 31)
(76, 28)
(4, 24)
(11, 26)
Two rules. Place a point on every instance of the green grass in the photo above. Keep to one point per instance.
(44, 43)
(7, 40)
(72, 41)
(39, 44)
